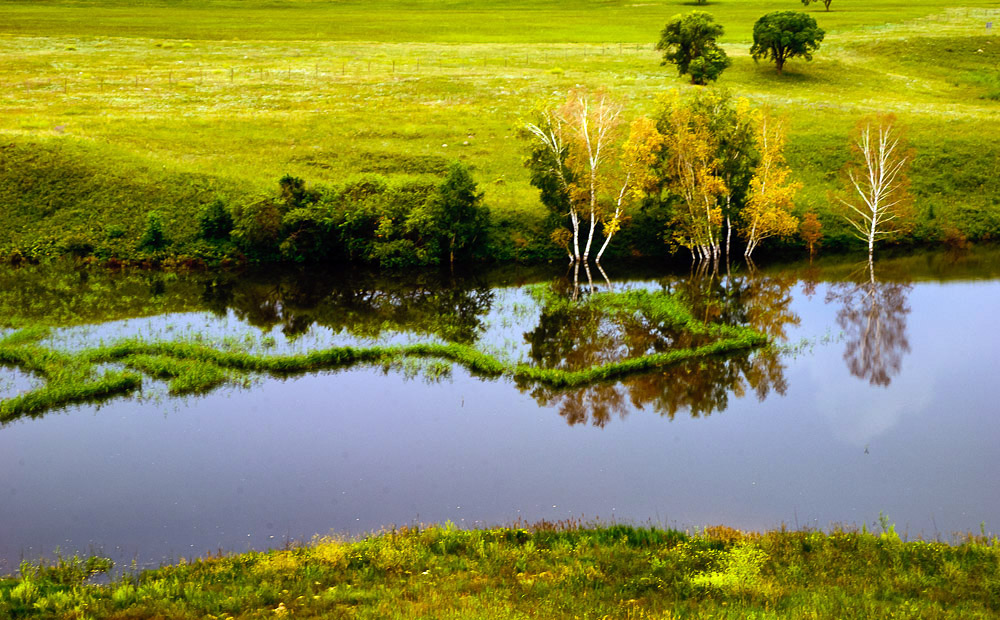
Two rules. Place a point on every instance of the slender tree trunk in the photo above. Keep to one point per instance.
(729, 227)
(751, 239)
(590, 235)
(574, 219)
(604, 246)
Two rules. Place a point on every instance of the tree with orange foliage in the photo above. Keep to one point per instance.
(811, 230)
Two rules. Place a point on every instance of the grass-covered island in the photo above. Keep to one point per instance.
(542, 571)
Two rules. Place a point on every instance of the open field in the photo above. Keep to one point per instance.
(166, 104)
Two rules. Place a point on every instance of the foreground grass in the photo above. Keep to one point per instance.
(112, 110)
(542, 572)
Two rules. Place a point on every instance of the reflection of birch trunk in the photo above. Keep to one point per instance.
(576, 281)
(604, 275)
(873, 317)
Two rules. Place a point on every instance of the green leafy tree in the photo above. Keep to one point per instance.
(688, 41)
(826, 3)
(214, 221)
(456, 213)
(732, 122)
(257, 229)
(782, 35)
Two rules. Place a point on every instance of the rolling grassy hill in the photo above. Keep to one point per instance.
(163, 105)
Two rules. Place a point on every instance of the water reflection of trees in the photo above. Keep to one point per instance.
(452, 309)
(873, 317)
(700, 388)
(578, 337)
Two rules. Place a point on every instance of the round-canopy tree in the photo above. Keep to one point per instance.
(782, 35)
(826, 3)
(688, 41)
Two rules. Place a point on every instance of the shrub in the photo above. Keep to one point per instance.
(153, 238)
(309, 235)
(257, 229)
(214, 221)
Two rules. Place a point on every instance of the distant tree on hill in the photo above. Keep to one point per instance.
(826, 3)
(688, 41)
(782, 35)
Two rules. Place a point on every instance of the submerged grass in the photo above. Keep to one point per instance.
(547, 571)
(191, 367)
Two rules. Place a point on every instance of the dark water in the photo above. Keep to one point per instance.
(881, 398)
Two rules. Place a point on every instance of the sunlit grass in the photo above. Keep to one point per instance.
(545, 570)
(223, 98)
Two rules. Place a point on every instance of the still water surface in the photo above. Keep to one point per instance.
(882, 398)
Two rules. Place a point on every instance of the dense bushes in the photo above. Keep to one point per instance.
(366, 219)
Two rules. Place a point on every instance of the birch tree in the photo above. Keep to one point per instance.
(551, 174)
(690, 173)
(732, 123)
(768, 211)
(879, 205)
(639, 154)
(593, 120)
(571, 161)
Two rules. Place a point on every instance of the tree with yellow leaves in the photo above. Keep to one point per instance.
(768, 210)
(572, 159)
(639, 154)
(690, 170)
(593, 120)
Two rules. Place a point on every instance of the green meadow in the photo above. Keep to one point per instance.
(114, 109)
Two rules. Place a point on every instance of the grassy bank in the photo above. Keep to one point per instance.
(543, 571)
(112, 111)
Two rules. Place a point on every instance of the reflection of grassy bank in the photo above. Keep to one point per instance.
(544, 571)
(194, 368)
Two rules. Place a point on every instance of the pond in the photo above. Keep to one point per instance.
(877, 397)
